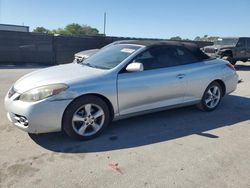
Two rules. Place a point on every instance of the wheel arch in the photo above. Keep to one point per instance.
(105, 99)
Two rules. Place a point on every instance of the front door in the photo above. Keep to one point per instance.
(241, 51)
(149, 89)
(248, 49)
(161, 83)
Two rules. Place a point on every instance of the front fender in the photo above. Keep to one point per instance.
(105, 86)
(225, 52)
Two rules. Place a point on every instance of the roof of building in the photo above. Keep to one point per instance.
(12, 25)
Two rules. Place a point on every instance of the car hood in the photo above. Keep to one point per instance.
(226, 47)
(219, 47)
(67, 74)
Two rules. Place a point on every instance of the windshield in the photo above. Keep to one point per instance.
(111, 56)
(226, 41)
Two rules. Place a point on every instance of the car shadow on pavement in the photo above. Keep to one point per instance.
(243, 67)
(153, 128)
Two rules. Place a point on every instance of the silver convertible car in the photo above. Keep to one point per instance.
(119, 81)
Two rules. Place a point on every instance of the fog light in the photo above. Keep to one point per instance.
(22, 120)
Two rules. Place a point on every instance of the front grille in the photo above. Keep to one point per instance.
(210, 50)
(21, 120)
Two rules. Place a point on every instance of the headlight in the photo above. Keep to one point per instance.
(42, 92)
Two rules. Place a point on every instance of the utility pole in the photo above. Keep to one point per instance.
(104, 26)
(0, 11)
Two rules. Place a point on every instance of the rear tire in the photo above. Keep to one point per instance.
(86, 118)
(211, 97)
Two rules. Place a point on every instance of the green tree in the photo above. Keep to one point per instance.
(212, 38)
(176, 38)
(89, 30)
(207, 38)
(76, 29)
(41, 30)
(197, 38)
(73, 28)
(187, 39)
(60, 31)
(70, 29)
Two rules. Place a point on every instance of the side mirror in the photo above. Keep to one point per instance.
(239, 44)
(135, 67)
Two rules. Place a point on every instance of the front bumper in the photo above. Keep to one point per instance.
(231, 82)
(42, 116)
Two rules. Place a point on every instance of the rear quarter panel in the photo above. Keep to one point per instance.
(200, 75)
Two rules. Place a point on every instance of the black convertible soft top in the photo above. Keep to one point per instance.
(191, 46)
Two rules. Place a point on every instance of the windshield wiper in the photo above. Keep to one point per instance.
(94, 66)
(88, 64)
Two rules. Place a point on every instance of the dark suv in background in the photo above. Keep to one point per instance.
(231, 49)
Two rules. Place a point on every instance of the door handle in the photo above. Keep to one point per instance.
(180, 76)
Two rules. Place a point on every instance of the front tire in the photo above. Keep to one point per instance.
(86, 118)
(211, 97)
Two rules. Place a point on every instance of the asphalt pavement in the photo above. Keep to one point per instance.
(176, 148)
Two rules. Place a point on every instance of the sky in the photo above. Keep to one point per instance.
(135, 18)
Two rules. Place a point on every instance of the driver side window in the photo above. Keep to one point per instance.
(146, 59)
(155, 58)
(241, 43)
(163, 57)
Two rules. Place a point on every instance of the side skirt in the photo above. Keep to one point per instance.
(119, 117)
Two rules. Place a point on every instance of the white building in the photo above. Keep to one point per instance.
(20, 28)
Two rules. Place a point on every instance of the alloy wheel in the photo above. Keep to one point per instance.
(213, 96)
(88, 119)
